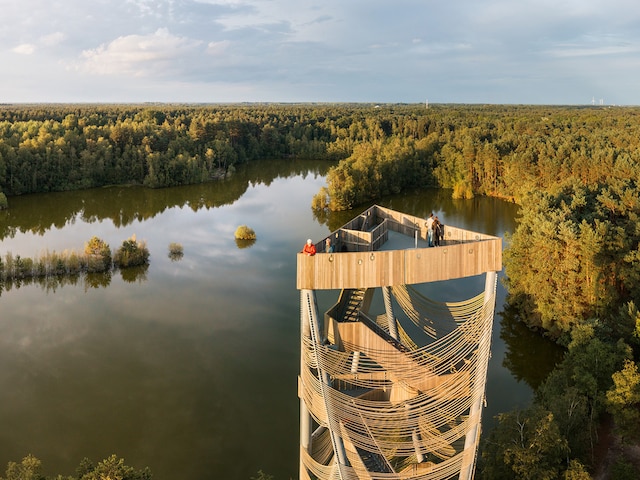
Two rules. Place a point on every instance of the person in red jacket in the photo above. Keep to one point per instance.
(309, 248)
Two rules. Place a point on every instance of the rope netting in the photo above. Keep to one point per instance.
(411, 407)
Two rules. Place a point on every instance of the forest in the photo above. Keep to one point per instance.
(572, 265)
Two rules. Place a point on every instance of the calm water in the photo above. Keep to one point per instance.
(190, 368)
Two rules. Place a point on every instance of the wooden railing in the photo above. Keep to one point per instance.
(357, 262)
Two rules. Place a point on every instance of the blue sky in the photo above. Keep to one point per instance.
(456, 51)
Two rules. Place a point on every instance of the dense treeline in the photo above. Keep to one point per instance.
(572, 273)
(497, 150)
(505, 151)
(47, 148)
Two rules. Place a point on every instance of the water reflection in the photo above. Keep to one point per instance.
(137, 274)
(176, 256)
(479, 214)
(49, 284)
(123, 206)
(528, 356)
(245, 243)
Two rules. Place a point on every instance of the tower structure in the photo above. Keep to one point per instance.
(395, 394)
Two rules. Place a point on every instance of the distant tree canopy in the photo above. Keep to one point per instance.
(506, 151)
(65, 147)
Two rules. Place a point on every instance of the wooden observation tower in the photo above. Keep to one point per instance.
(394, 395)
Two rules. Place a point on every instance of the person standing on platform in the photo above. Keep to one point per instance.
(328, 247)
(430, 230)
(437, 231)
(309, 248)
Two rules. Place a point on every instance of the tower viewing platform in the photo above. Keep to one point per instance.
(359, 260)
(395, 393)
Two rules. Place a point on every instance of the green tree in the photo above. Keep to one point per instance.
(576, 390)
(623, 401)
(99, 254)
(525, 445)
(114, 468)
(28, 469)
(576, 471)
(568, 262)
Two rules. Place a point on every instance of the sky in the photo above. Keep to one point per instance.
(566, 52)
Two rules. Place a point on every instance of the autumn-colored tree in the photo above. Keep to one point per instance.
(99, 254)
(623, 401)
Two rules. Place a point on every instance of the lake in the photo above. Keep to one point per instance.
(190, 366)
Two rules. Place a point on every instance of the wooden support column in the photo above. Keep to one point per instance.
(475, 413)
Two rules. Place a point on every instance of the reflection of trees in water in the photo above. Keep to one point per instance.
(488, 215)
(89, 280)
(97, 280)
(176, 256)
(52, 283)
(335, 220)
(242, 243)
(123, 205)
(137, 274)
(529, 356)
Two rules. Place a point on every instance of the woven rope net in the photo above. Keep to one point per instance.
(401, 407)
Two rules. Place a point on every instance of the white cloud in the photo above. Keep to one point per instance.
(218, 48)
(52, 39)
(140, 55)
(25, 49)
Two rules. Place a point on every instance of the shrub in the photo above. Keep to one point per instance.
(74, 263)
(26, 267)
(245, 233)
(4, 204)
(132, 253)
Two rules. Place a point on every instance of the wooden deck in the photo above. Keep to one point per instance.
(359, 261)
